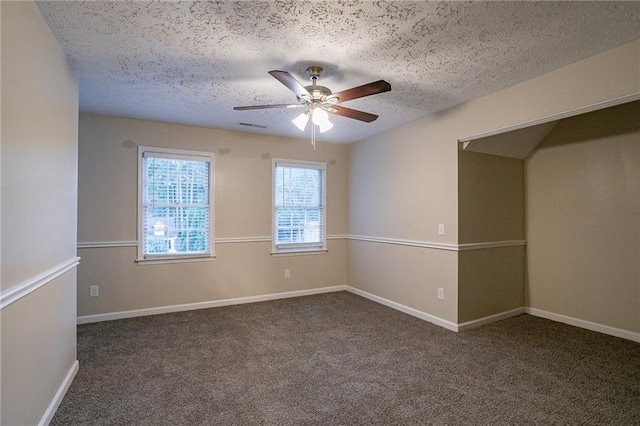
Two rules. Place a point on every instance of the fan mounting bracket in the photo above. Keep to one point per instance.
(314, 72)
(318, 93)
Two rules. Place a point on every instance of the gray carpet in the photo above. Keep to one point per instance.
(339, 359)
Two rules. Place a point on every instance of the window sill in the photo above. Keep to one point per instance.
(299, 252)
(177, 259)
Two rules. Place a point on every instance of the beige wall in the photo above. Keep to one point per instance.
(490, 281)
(490, 198)
(38, 350)
(404, 182)
(583, 219)
(39, 159)
(490, 209)
(39, 199)
(407, 275)
(107, 213)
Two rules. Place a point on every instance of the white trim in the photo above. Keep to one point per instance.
(396, 241)
(314, 165)
(204, 305)
(431, 244)
(203, 156)
(412, 243)
(406, 309)
(19, 291)
(491, 244)
(176, 259)
(300, 252)
(57, 399)
(178, 154)
(106, 244)
(625, 334)
(491, 318)
(553, 117)
(225, 240)
(439, 246)
(612, 331)
(232, 240)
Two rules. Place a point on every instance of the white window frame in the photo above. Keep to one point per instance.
(298, 248)
(178, 154)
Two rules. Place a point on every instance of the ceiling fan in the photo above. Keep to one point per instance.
(318, 100)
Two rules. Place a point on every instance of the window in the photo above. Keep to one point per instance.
(175, 204)
(298, 206)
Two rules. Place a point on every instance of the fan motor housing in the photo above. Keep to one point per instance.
(318, 91)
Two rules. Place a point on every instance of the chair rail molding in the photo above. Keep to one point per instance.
(438, 245)
(372, 239)
(222, 240)
(19, 291)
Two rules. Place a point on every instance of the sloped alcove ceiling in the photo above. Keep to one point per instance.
(515, 144)
(522, 139)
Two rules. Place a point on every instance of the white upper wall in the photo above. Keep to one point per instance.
(39, 147)
(39, 203)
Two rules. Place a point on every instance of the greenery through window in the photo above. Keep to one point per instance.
(175, 203)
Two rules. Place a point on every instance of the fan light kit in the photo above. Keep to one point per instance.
(319, 102)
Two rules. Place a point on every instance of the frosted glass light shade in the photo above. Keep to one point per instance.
(321, 119)
(319, 116)
(325, 126)
(301, 121)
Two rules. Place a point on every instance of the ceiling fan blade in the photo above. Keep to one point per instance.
(352, 113)
(374, 88)
(245, 108)
(291, 83)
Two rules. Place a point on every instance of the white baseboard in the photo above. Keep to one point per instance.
(612, 331)
(491, 318)
(406, 309)
(203, 305)
(57, 399)
(625, 334)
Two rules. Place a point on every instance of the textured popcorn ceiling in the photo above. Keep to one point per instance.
(192, 62)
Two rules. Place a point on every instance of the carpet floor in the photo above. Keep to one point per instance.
(339, 359)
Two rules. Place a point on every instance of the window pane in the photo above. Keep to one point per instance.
(284, 236)
(157, 245)
(283, 217)
(175, 196)
(298, 200)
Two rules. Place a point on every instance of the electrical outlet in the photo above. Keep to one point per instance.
(441, 229)
(287, 273)
(93, 291)
(440, 293)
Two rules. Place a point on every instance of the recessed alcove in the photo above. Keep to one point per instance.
(564, 190)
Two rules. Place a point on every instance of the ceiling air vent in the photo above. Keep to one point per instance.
(253, 125)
